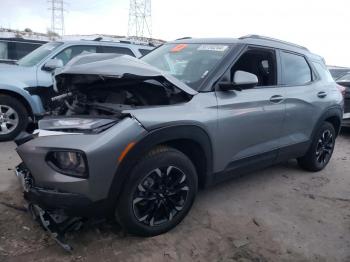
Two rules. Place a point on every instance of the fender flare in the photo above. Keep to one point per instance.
(335, 111)
(31, 102)
(160, 136)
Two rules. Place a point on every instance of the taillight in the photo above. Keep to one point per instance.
(342, 89)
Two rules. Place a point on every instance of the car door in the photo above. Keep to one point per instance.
(250, 121)
(302, 95)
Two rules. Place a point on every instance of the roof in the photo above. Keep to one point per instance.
(253, 40)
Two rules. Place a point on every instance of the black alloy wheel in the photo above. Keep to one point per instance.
(160, 196)
(320, 150)
(158, 193)
(325, 147)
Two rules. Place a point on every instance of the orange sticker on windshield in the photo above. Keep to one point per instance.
(178, 47)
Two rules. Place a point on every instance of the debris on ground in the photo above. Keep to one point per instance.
(240, 242)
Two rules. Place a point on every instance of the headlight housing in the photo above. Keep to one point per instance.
(68, 162)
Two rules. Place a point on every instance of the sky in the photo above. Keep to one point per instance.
(320, 25)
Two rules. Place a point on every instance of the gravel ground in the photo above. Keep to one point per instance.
(278, 214)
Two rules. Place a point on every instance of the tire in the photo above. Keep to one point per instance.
(13, 117)
(139, 193)
(321, 149)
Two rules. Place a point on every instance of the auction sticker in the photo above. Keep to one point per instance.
(218, 48)
(178, 48)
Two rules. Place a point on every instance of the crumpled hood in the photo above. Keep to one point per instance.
(118, 66)
(18, 76)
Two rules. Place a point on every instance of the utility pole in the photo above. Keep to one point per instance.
(140, 20)
(57, 16)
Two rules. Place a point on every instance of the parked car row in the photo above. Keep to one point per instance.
(134, 139)
(26, 87)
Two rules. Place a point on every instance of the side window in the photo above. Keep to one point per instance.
(3, 50)
(117, 50)
(24, 48)
(67, 54)
(295, 69)
(323, 72)
(144, 51)
(260, 62)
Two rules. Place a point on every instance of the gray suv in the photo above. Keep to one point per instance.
(139, 137)
(25, 86)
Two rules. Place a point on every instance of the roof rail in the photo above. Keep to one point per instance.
(272, 39)
(182, 38)
(100, 39)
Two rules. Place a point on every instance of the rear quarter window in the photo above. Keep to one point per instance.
(117, 50)
(295, 69)
(323, 72)
(144, 51)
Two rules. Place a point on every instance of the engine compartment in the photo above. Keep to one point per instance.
(96, 95)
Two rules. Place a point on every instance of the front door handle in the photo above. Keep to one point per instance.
(276, 99)
(322, 94)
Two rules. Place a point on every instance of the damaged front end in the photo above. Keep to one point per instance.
(69, 163)
(109, 87)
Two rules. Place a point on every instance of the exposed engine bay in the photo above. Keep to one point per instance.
(96, 95)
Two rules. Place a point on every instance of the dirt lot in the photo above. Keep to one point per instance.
(278, 214)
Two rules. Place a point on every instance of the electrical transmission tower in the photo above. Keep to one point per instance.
(57, 16)
(140, 20)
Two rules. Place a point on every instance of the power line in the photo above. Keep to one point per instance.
(57, 16)
(140, 19)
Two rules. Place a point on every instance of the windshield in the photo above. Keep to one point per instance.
(190, 63)
(38, 54)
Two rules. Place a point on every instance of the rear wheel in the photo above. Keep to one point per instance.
(321, 149)
(158, 194)
(13, 117)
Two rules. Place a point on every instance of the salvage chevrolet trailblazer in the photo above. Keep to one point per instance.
(135, 139)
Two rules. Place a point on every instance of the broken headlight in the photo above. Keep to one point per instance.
(71, 163)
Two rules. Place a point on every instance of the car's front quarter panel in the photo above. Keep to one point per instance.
(102, 152)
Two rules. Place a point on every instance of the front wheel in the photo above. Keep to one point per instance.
(158, 194)
(13, 117)
(321, 149)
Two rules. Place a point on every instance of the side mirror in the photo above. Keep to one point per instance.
(241, 80)
(53, 64)
(245, 80)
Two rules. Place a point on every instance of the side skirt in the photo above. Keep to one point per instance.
(246, 165)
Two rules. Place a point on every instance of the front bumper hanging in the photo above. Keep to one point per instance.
(53, 220)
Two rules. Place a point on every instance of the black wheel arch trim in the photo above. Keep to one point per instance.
(334, 111)
(161, 136)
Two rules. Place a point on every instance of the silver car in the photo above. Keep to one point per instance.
(25, 87)
(135, 139)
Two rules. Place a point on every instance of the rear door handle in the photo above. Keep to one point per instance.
(322, 94)
(276, 99)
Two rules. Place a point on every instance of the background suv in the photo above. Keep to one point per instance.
(140, 136)
(344, 81)
(24, 86)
